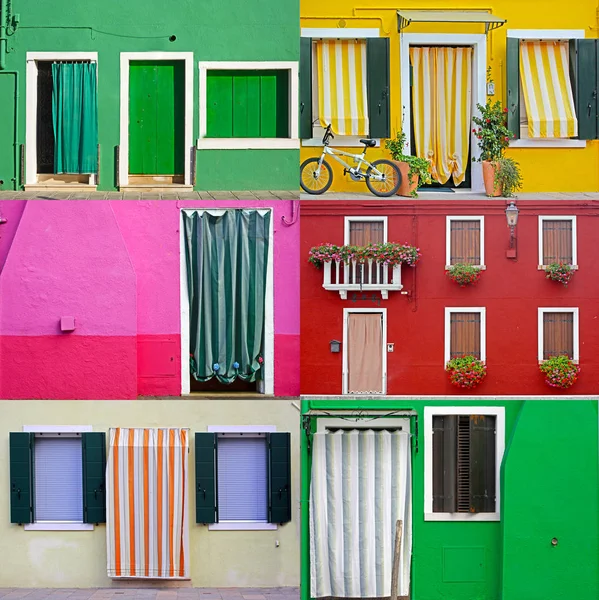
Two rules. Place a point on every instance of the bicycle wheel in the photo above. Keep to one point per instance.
(313, 182)
(389, 181)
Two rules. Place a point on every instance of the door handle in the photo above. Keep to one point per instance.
(302, 107)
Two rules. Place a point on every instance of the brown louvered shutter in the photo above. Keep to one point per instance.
(465, 242)
(558, 334)
(444, 463)
(557, 242)
(464, 334)
(362, 233)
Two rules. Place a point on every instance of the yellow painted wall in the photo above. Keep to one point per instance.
(543, 169)
(218, 558)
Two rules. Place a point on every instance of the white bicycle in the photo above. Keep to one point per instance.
(381, 176)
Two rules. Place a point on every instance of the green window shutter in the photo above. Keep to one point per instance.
(279, 493)
(21, 477)
(377, 75)
(584, 74)
(94, 476)
(305, 89)
(206, 497)
(513, 85)
(482, 463)
(444, 463)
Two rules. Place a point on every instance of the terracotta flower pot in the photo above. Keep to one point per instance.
(407, 187)
(489, 169)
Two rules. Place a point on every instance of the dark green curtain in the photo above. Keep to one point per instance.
(227, 260)
(75, 117)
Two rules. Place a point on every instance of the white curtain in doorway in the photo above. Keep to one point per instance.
(360, 487)
(364, 353)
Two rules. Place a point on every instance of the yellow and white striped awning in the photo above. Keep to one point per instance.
(545, 77)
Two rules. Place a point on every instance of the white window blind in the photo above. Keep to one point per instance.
(242, 479)
(58, 479)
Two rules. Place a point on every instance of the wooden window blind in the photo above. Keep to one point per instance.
(558, 334)
(362, 233)
(557, 242)
(464, 334)
(465, 242)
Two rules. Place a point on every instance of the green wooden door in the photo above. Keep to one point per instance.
(156, 118)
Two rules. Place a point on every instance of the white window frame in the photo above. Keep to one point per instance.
(290, 142)
(31, 74)
(265, 386)
(429, 411)
(575, 331)
(483, 329)
(543, 218)
(546, 34)
(55, 430)
(349, 220)
(327, 33)
(449, 219)
(246, 431)
(345, 374)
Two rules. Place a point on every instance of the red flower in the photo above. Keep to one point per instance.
(507, 139)
(474, 131)
(505, 109)
(488, 120)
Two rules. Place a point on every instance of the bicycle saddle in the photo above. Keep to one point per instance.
(368, 143)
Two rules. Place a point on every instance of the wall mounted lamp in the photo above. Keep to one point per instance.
(511, 214)
(335, 345)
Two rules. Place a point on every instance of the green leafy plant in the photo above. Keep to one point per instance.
(418, 166)
(464, 274)
(491, 132)
(560, 272)
(508, 177)
(560, 371)
(389, 253)
(466, 371)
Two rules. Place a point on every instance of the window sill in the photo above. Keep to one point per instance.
(58, 526)
(548, 143)
(438, 516)
(339, 142)
(248, 144)
(545, 267)
(481, 267)
(242, 526)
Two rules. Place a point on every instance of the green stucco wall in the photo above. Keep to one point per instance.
(214, 30)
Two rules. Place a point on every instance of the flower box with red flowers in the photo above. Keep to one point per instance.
(560, 371)
(560, 272)
(466, 371)
(464, 274)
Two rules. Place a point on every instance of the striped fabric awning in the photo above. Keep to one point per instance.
(342, 96)
(146, 503)
(547, 89)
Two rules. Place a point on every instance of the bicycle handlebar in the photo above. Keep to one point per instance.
(328, 134)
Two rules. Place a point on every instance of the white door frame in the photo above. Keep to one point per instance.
(31, 72)
(126, 58)
(479, 78)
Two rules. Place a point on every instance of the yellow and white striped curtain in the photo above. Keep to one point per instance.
(545, 77)
(146, 493)
(342, 97)
(442, 109)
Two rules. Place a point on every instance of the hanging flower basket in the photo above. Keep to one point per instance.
(466, 371)
(559, 272)
(389, 253)
(464, 274)
(560, 371)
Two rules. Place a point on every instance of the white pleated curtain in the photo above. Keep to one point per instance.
(360, 487)
(146, 503)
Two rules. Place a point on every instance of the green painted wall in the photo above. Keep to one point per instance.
(511, 559)
(214, 30)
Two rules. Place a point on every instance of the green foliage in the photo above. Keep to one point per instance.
(560, 371)
(418, 166)
(560, 272)
(388, 253)
(492, 133)
(464, 274)
(508, 177)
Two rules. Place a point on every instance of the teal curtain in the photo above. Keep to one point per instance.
(75, 117)
(227, 260)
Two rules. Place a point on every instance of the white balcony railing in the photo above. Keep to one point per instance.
(371, 276)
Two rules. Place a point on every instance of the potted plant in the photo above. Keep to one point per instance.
(464, 274)
(414, 170)
(466, 371)
(508, 178)
(560, 272)
(560, 371)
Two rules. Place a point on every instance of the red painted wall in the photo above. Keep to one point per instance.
(511, 290)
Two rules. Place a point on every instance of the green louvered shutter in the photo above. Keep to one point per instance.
(482, 463)
(513, 85)
(21, 477)
(279, 495)
(584, 74)
(206, 497)
(377, 75)
(94, 477)
(305, 89)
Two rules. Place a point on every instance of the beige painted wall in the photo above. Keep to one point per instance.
(218, 558)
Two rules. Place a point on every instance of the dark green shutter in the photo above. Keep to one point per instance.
(305, 89)
(206, 497)
(444, 463)
(279, 504)
(482, 463)
(513, 85)
(21, 477)
(377, 70)
(584, 74)
(94, 477)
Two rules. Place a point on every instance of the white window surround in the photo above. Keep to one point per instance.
(54, 430)
(267, 385)
(572, 218)
(547, 34)
(32, 59)
(575, 331)
(430, 411)
(483, 328)
(288, 143)
(125, 59)
(449, 220)
(345, 375)
(478, 43)
(324, 424)
(349, 220)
